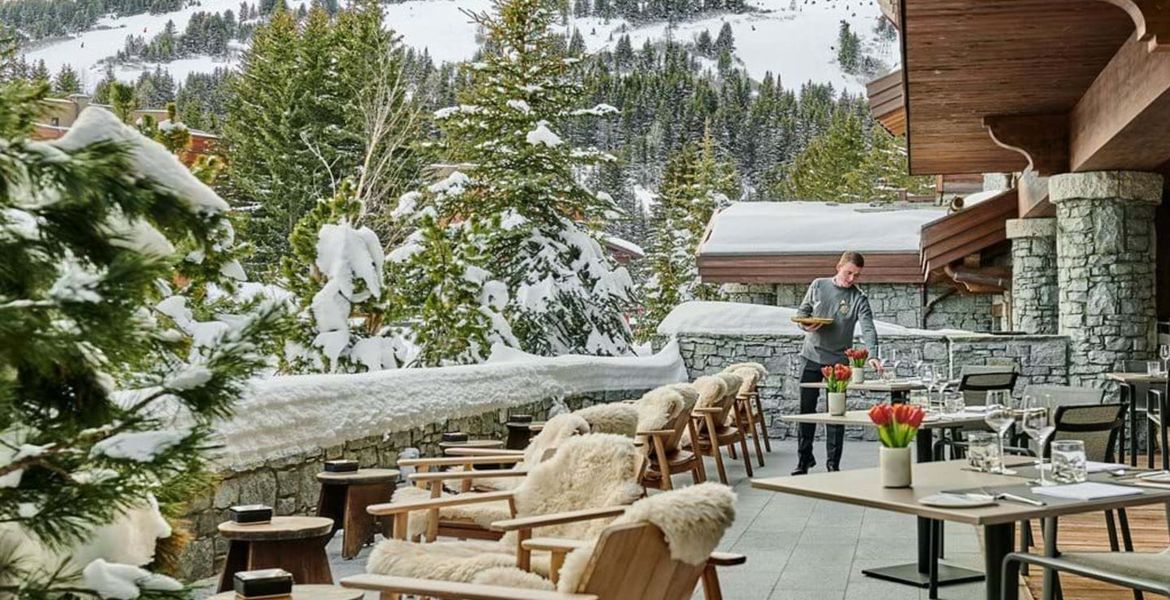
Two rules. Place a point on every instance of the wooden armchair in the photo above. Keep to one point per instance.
(748, 408)
(711, 431)
(664, 453)
(632, 558)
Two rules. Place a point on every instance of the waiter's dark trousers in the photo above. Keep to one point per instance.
(834, 434)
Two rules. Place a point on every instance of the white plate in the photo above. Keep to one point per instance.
(956, 501)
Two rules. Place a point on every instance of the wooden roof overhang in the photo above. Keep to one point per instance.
(880, 267)
(970, 231)
(1058, 85)
(886, 102)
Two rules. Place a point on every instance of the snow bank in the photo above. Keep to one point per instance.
(733, 318)
(803, 227)
(288, 415)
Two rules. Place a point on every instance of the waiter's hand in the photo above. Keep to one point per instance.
(877, 365)
(813, 327)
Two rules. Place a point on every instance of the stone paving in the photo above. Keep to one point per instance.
(804, 549)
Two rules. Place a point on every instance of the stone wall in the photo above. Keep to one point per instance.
(1039, 359)
(1034, 285)
(289, 484)
(897, 303)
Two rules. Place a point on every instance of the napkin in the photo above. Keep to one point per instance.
(1101, 467)
(1089, 490)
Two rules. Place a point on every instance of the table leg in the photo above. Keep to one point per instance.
(304, 559)
(1051, 579)
(918, 573)
(237, 560)
(359, 525)
(899, 396)
(999, 541)
(1130, 402)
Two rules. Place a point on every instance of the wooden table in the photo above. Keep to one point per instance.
(916, 574)
(295, 544)
(344, 497)
(1126, 383)
(310, 592)
(898, 389)
(472, 444)
(862, 487)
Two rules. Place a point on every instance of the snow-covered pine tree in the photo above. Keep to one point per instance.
(101, 424)
(695, 183)
(538, 225)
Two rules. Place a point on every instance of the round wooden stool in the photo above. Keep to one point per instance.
(310, 592)
(295, 544)
(344, 498)
(472, 444)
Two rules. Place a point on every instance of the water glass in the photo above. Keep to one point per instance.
(954, 403)
(1153, 368)
(983, 452)
(1068, 462)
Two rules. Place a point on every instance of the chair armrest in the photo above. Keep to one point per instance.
(482, 452)
(650, 432)
(558, 518)
(452, 591)
(1059, 564)
(725, 559)
(549, 544)
(455, 461)
(706, 410)
(464, 475)
(390, 508)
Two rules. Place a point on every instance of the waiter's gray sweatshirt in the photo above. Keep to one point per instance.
(848, 307)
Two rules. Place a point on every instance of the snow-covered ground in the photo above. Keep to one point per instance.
(794, 41)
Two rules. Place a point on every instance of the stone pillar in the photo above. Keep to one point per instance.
(1105, 268)
(1034, 287)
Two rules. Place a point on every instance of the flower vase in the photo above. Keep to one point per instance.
(895, 467)
(858, 375)
(836, 403)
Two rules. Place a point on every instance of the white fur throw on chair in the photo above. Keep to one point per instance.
(658, 407)
(587, 471)
(617, 418)
(692, 520)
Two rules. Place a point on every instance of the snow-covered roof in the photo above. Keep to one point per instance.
(626, 245)
(286, 415)
(734, 318)
(815, 227)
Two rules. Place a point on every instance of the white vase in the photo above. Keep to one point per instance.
(858, 375)
(895, 466)
(836, 403)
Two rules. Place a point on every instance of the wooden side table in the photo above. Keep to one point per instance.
(472, 444)
(295, 544)
(344, 498)
(310, 592)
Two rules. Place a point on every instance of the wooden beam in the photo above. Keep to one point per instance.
(1121, 120)
(1042, 139)
(1151, 20)
(1033, 197)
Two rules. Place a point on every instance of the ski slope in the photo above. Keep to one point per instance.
(795, 41)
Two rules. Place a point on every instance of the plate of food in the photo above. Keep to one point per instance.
(812, 320)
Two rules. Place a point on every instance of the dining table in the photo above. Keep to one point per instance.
(917, 573)
(997, 519)
(898, 389)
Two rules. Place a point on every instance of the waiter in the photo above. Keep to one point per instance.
(837, 297)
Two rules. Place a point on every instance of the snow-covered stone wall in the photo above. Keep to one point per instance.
(899, 303)
(287, 427)
(1039, 359)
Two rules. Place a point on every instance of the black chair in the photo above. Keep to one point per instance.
(1157, 403)
(1137, 394)
(1140, 572)
(975, 384)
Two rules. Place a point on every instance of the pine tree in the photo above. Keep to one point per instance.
(848, 49)
(40, 73)
(695, 183)
(703, 44)
(517, 202)
(107, 406)
(66, 82)
(725, 41)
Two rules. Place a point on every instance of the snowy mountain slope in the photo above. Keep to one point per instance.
(794, 41)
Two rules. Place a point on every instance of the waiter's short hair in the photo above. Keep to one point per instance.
(852, 257)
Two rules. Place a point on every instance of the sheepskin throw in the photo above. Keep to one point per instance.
(587, 471)
(617, 418)
(658, 407)
(711, 390)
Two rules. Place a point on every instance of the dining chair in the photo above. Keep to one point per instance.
(1140, 572)
(976, 380)
(1156, 425)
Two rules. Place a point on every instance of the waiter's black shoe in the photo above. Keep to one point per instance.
(803, 468)
(832, 468)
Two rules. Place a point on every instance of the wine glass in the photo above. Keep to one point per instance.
(1000, 418)
(1037, 424)
(889, 364)
(916, 357)
(1164, 354)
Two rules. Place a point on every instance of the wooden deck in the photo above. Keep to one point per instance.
(1087, 532)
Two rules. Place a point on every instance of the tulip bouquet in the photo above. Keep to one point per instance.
(836, 378)
(857, 357)
(896, 424)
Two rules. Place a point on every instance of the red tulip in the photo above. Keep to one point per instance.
(881, 415)
(827, 372)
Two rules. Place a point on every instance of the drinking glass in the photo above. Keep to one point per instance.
(1037, 423)
(890, 365)
(1164, 354)
(1153, 368)
(982, 452)
(953, 403)
(1068, 462)
(1000, 418)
